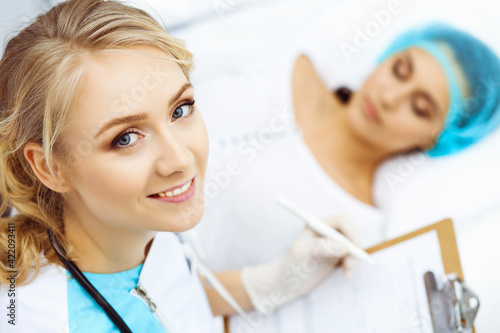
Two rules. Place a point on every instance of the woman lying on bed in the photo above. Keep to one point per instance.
(432, 91)
(435, 89)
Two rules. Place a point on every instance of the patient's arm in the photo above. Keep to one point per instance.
(232, 282)
(311, 96)
(266, 287)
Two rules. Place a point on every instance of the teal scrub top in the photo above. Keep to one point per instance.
(85, 315)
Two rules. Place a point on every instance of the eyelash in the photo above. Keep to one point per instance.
(114, 144)
(419, 113)
(395, 69)
(191, 108)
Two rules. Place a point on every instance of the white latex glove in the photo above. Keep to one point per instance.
(310, 259)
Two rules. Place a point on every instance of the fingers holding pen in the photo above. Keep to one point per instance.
(336, 254)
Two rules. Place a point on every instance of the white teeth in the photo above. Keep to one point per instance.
(177, 191)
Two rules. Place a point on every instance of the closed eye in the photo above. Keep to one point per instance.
(422, 106)
(402, 67)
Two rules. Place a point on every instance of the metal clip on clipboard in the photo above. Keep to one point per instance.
(452, 304)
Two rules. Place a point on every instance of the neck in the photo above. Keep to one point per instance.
(349, 159)
(355, 152)
(101, 248)
(352, 154)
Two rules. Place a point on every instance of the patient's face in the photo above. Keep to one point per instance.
(403, 104)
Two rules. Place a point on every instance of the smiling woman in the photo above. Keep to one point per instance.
(103, 154)
(102, 147)
(158, 145)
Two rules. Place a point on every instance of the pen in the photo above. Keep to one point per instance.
(325, 230)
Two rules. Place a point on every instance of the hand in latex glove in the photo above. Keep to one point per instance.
(310, 259)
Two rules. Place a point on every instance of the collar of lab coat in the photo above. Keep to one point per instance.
(42, 305)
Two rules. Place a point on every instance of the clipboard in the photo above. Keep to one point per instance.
(453, 305)
(458, 307)
(447, 241)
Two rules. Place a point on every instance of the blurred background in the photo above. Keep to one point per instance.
(240, 47)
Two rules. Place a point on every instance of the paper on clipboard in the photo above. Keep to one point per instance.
(388, 297)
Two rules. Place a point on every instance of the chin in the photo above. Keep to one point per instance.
(184, 225)
(184, 219)
(179, 217)
(358, 123)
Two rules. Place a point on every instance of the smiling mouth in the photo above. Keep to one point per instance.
(177, 192)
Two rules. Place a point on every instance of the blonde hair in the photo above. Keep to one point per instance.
(40, 75)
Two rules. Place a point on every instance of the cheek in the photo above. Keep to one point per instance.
(198, 139)
(197, 143)
(113, 178)
(381, 76)
(411, 131)
(106, 184)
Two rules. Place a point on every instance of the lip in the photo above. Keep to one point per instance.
(370, 110)
(180, 197)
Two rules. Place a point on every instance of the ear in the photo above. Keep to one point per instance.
(35, 156)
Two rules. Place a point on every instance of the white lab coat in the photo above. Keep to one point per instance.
(182, 307)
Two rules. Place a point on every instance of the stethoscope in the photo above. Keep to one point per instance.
(193, 253)
(87, 285)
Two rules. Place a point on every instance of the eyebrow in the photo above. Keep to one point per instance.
(179, 93)
(140, 116)
(120, 121)
(410, 61)
(407, 60)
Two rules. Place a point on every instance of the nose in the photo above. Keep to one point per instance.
(173, 156)
(392, 96)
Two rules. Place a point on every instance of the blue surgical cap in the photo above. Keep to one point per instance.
(471, 117)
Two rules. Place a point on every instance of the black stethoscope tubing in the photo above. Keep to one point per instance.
(89, 288)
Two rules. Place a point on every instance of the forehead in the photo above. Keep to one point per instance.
(124, 82)
(430, 77)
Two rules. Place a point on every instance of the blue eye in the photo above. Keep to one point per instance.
(183, 110)
(125, 140)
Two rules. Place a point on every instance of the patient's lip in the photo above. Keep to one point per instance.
(370, 110)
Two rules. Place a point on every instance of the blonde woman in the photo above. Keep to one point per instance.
(103, 155)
